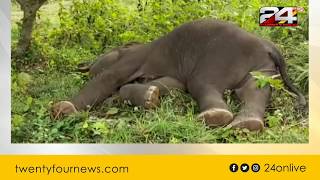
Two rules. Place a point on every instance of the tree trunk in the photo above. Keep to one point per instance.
(29, 8)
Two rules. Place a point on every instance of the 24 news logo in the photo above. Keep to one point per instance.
(279, 16)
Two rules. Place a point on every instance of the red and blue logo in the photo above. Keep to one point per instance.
(279, 16)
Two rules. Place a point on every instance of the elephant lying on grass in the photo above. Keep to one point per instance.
(203, 58)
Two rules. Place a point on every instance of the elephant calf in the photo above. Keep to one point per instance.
(203, 57)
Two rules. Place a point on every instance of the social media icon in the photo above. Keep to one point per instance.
(255, 167)
(233, 167)
(244, 167)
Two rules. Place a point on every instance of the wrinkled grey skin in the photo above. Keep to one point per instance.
(204, 58)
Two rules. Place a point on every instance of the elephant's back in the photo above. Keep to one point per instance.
(216, 49)
(206, 37)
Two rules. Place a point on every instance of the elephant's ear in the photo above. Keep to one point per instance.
(127, 48)
(114, 54)
(84, 67)
(130, 44)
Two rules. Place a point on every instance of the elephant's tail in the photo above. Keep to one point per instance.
(281, 65)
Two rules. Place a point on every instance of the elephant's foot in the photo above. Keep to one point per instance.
(250, 123)
(152, 97)
(216, 117)
(62, 108)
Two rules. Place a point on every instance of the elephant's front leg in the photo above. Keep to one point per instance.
(214, 111)
(147, 95)
(252, 112)
(96, 90)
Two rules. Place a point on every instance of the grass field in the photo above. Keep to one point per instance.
(35, 88)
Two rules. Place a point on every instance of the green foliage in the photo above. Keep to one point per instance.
(101, 24)
(276, 119)
(272, 81)
(71, 31)
(21, 81)
(299, 65)
(264, 80)
(92, 24)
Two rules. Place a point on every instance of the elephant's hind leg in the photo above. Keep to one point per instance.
(214, 111)
(147, 95)
(252, 112)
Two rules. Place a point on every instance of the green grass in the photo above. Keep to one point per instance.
(116, 122)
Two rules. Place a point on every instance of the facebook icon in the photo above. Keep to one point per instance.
(233, 167)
